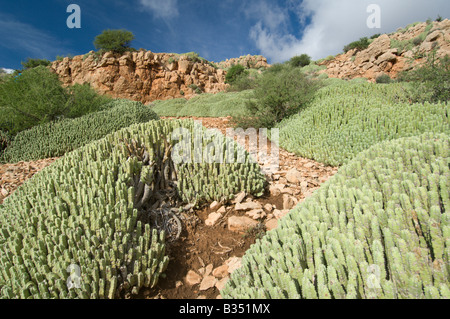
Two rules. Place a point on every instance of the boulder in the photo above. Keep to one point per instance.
(239, 198)
(214, 205)
(256, 213)
(240, 223)
(386, 57)
(192, 278)
(271, 224)
(289, 202)
(221, 272)
(221, 283)
(233, 263)
(207, 283)
(212, 219)
(247, 206)
(293, 176)
(274, 191)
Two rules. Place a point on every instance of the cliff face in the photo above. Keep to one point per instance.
(390, 54)
(141, 76)
(146, 76)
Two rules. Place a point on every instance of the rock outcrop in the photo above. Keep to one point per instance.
(146, 76)
(142, 76)
(247, 61)
(392, 53)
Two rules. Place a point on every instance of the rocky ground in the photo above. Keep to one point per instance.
(216, 237)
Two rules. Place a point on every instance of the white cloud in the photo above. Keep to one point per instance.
(271, 16)
(8, 71)
(161, 8)
(335, 24)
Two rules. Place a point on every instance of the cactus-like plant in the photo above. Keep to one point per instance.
(57, 138)
(380, 228)
(80, 228)
(346, 119)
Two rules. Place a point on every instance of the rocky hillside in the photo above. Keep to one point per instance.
(146, 76)
(392, 53)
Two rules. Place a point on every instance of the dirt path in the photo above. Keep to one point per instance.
(212, 242)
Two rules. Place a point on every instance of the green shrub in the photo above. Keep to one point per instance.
(383, 79)
(194, 57)
(277, 67)
(195, 88)
(375, 36)
(57, 138)
(438, 19)
(378, 229)
(346, 118)
(34, 97)
(84, 100)
(430, 82)
(244, 81)
(33, 63)
(88, 210)
(312, 70)
(300, 60)
(360, 45)
(234, 73)
(37, 96)
(405, 45)
(114, 40)
(417, 41)
(277, 95)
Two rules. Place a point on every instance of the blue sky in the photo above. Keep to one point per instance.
(217, 30)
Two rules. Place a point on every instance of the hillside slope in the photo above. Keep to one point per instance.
(392, 53)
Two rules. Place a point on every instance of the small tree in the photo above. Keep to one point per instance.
(233, 73)
(431, 81)
(114, 40)
(300, 60)
(361, 44)
(32, 63)
(383, 79)
(33, 98)
(278, 95)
